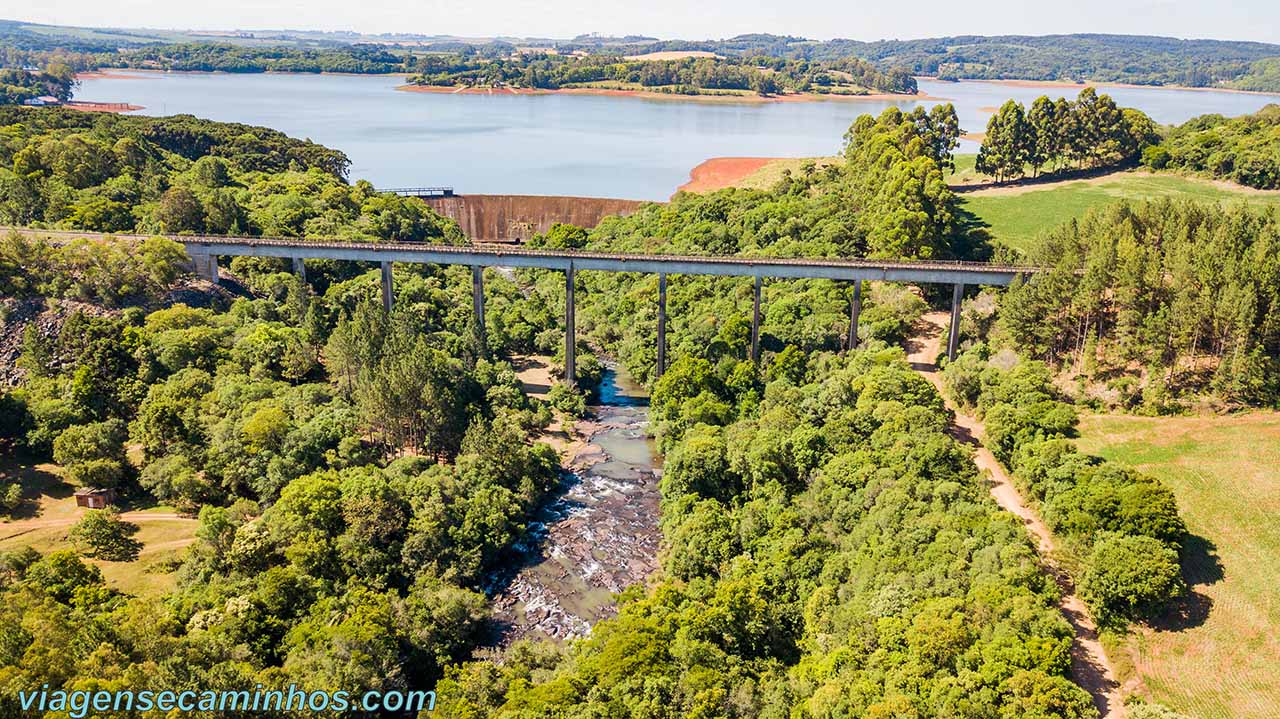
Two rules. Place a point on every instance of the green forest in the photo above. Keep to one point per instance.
(1243, 149)
(221, 57)
(1059, 138)
(1138, 59)
(111, 173)
(20, 85)
(1174, 301)
(883, 65)
(764, 75)
(828, 548)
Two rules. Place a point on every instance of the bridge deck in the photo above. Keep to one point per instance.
(934, 271)
(503, 256)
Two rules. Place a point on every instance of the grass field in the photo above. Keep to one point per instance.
(1015, 216)
(51, 511)
(766, 177)
(1221, 658)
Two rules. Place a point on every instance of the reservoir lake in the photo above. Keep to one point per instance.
(594, 146)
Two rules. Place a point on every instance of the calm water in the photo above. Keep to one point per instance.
(562, 144)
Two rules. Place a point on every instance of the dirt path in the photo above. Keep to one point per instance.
(20, 527)
(1089, 664)
(1019, 187)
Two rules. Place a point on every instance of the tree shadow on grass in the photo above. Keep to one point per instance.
(1200, 567)
(36, 482)
(973, 241)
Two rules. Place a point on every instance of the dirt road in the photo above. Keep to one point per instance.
(1089, 664)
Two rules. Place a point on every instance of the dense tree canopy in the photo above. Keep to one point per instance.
(1089, 132)
(1173, 300)
(1244, 149)
(828, 549)
(103, 172)
(692, 75)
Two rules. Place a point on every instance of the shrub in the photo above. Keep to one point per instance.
(1155, 157)
(1130, 577)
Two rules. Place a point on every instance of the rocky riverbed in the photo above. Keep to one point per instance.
(596, 536)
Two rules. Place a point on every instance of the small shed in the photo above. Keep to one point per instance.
(42, 101)
(95, 498)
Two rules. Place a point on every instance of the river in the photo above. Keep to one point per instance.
(596, 535)
(585, 145)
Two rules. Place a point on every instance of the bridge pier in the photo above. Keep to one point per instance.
(477, 305)
(855, 309)
(570, 333)
(662, 325)
(206, 266)
(300, 269)
(953, 334)
(755, 322)
(388, 295)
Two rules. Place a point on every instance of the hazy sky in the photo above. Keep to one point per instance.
(686, 19)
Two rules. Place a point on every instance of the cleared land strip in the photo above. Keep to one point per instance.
(1089, 664)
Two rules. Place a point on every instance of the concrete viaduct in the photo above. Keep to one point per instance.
(205, 252)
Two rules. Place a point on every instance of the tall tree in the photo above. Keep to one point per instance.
(1045, 127)
(1005, 150)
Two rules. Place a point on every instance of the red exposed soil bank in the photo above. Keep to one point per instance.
(721, 172)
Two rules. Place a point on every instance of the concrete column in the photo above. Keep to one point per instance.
(755, 323)
(570, 333)
(300, 268)
(855, 309)
(662, 324)
(477, 303)
(200, 265)
(212, 272)
(953, 335)
(388, 294)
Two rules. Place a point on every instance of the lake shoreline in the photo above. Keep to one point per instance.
(717, 173)
(666, 96)
(1063, 84)
(141, 73)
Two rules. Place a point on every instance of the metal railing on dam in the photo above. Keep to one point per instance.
(205, 251)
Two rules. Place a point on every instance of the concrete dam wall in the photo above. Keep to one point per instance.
(516, 218)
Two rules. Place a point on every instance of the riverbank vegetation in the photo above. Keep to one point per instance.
(356, 474)
(17, 86)
(828, 548)
(1134, 59)
(779, 592)
(223, 57)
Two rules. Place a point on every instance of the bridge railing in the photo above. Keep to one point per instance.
(504, 250)
(418, 191)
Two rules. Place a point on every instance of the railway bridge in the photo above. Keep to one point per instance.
(205, 251)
